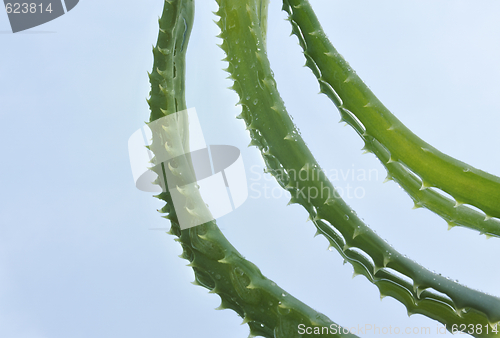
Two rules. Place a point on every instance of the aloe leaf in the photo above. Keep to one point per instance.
(289, 160)
(218, 266)
(420, 169)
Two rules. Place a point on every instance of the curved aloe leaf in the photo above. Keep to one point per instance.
(415, 165)
(289, 160)
(218, 266)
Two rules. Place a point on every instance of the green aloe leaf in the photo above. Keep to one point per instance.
(289, 160)
(218, 266)
(415, 165)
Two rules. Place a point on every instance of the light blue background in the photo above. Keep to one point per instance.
(76, 256)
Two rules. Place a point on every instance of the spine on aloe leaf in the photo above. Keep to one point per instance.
(218, 266)
(290, 161)
(415, 165)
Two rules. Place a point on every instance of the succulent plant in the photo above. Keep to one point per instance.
(419, 168)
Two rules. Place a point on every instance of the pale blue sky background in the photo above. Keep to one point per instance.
(76, 256)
